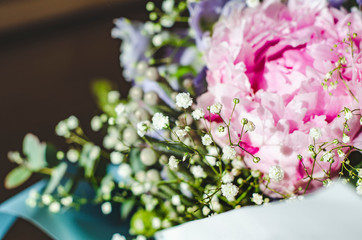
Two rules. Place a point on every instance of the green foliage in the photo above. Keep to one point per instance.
(135, 160)
(146, 218)
(51, 155)
(17, 176)
(87, 160)
(174, 148)
(35, 152)
(56, 177)
(100, 89)
(126, 208)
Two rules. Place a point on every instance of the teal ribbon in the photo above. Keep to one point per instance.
(87, 223)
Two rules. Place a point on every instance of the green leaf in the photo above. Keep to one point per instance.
(100, 89)
(51, 155)
(181, 71)
(87, 160)
(17, 176)
(126, 208)
(35, 152)
(135, 160)
(57, 175)
(177, 149)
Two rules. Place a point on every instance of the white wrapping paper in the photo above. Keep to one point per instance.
(331, 213)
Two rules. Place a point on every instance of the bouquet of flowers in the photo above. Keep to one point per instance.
(233, 103)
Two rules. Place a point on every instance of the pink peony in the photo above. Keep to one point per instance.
(357, 78)
(274, 59)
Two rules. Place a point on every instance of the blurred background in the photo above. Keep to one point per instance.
(50, 51)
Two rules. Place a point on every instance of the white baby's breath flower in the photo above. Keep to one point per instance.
(62, 129)
(176, 200)
(346, 138)
(185, 190)
(252, 3)
(206, 140)
(205, 211)
(315, 133)
(347, 114)
(257, 199)
(118, 236)
(360, 172)
(33, 194)
(167, 6)
(198, 171)
(211, 160)
(96, 123)
(137, 188)
(328, 75)
(276, 173)
(124, 171)
(220, 131)
(216, 108)
(141, 237)
(152, 74)
(120, 109)
(94, 152)
(143, 127)
(227, 178)
(46, 199)
(157, 40)
(173, 162)
(211, 156)
(54, 207)
(228, 153)
(30, 202)
(116, 157)
(237, 164)
(181, 133)
(340, 153)
(183, 100)
(255, 173)
(250, 126)
(359, 190)
(198, 113)
(159, 121)
(167, 21)
(67, 201)
(328, 157)
(106, 208)
(113, 96)
(156, 223)
(229, 191)
(72, 155)
(327, 183)
(148, 156)
(72, 122)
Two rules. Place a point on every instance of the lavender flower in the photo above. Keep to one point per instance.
(134, 45)
(200, 82)
(336, 3)
(203, 15)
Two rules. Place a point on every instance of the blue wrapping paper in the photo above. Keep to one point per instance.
(87, 223)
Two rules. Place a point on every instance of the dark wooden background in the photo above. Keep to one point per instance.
(50, 51)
